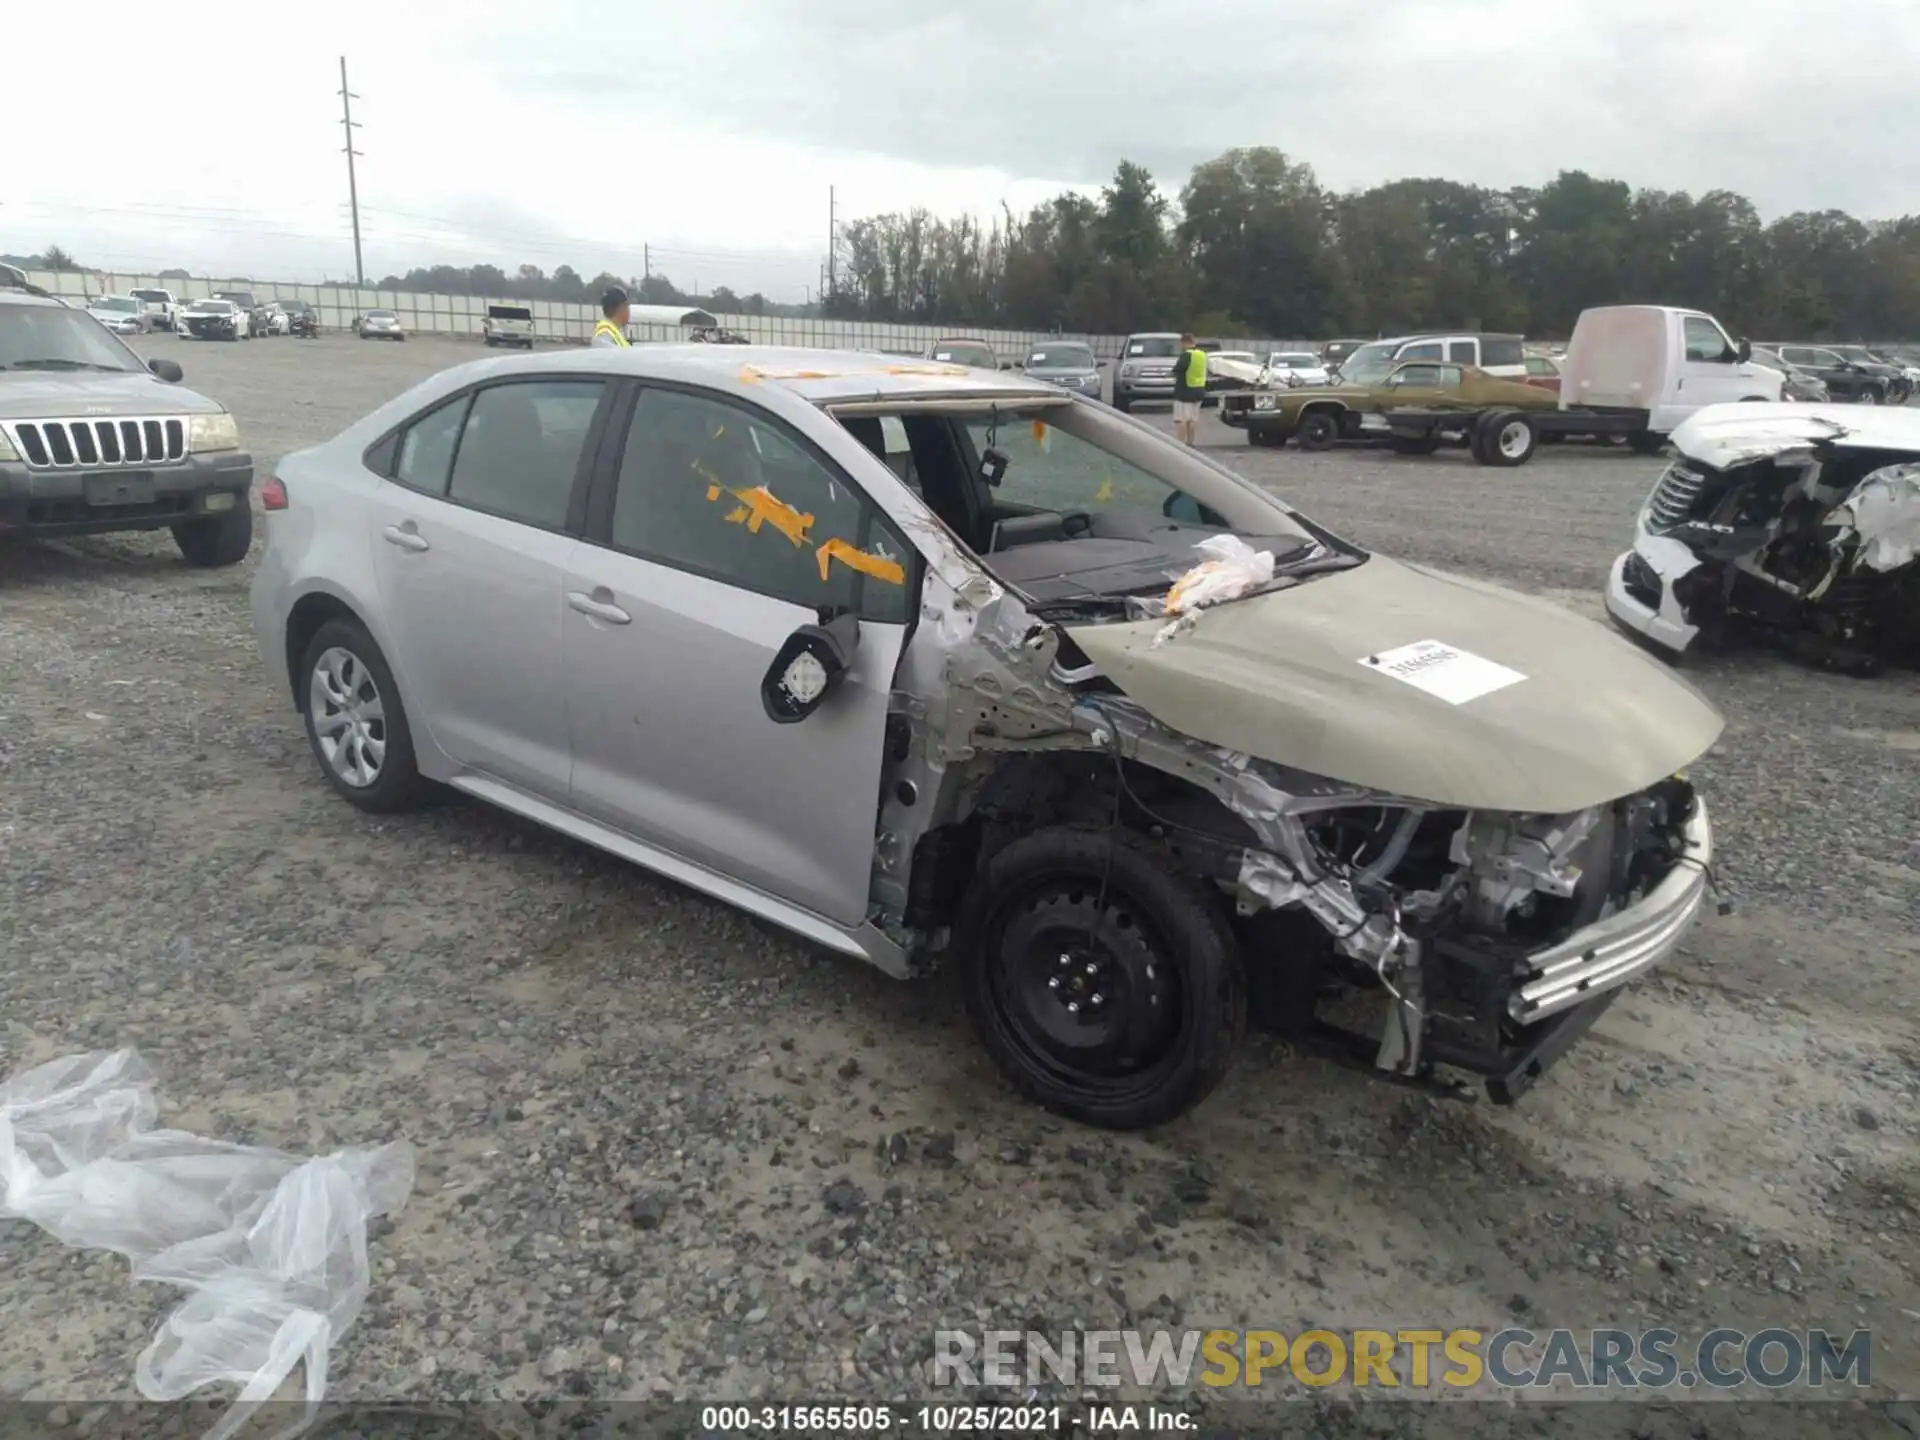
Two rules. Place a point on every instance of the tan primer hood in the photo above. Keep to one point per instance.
(1282, 676)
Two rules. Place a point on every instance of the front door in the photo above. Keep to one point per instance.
(714, 534)
(1710, 369)
(471, 549)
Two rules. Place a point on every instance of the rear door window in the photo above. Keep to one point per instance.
(426, 450)
(1501, 350)
(1424, 350)
(520, 448)
(1463, 352)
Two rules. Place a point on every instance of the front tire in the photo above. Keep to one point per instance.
(1870, 397)
(216, 543)
(1104, 982)
(356, 724)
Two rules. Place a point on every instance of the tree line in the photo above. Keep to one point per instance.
(1255, 244)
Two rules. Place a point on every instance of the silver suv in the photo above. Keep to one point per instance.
(1144, 370)
(93, 439)
(884, 653)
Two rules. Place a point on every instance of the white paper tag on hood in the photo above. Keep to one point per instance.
(1444, 671)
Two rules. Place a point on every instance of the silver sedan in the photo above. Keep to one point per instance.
(923, 661)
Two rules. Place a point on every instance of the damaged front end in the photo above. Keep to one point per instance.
(1480, 941)
(1807, 534)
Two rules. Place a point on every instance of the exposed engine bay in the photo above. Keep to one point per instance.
(1816, 548)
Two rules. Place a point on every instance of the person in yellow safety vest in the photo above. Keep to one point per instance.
(1189, 388)
(611, 331)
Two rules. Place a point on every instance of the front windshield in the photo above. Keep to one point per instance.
(209, 307)
(1859, 354)
(1154, 347)
(117, 305)
(1076, 507)
(36, 338)
(158, 296)
(381, 315)
(1370, 364)
(1062, 357)
(1293, 361)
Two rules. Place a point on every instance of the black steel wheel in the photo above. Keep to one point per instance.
(1104, 982)
(1318, 430)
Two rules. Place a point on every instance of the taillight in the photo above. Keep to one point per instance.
(273, 493)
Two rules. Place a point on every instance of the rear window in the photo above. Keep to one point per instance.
(1501, 350)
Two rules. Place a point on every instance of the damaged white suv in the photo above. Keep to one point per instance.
(1798, 523)
(880, 651)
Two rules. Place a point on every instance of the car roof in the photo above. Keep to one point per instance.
(820, 377)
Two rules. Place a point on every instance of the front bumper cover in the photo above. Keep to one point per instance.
(46, 503)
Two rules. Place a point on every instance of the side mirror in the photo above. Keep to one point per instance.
(807, 669)
(1742, 352)
(167, 370)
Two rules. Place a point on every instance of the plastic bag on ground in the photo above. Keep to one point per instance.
(273, 1246)
(1232, 569)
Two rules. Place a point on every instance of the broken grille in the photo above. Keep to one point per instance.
(1673, 498)
(97, 444)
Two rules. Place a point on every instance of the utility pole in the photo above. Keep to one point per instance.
(646, 261)
(832, 240)
(347, 97)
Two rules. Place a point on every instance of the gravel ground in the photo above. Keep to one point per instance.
(666, 1151)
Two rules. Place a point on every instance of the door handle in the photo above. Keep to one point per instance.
(406, 539)
(599, 605)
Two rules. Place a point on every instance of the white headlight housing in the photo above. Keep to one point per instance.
(7, 452)
(213, 432)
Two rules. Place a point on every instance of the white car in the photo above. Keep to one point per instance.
(121, 314)
(1297, 367)
(278, 322)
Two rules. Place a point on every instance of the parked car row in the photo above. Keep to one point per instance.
(1844, 372)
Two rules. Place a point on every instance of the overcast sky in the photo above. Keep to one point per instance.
(573, 132)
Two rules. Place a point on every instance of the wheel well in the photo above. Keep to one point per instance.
(1032, 792)
(310, 612)
(1324, 407)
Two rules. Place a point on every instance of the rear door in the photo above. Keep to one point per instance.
(471, 544)
(714, 532)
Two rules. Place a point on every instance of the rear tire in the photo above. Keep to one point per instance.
(1645, 442)
(1123, 404)
(1510, 438)
(1870, 397)
(1103, 981)
(343, 674)
(216, 543)
(1318, 430)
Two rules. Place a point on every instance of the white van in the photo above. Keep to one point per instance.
(1658, 363)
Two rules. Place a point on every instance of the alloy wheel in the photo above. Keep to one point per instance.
(349, 717)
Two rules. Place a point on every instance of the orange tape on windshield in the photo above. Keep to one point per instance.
(878, 566)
